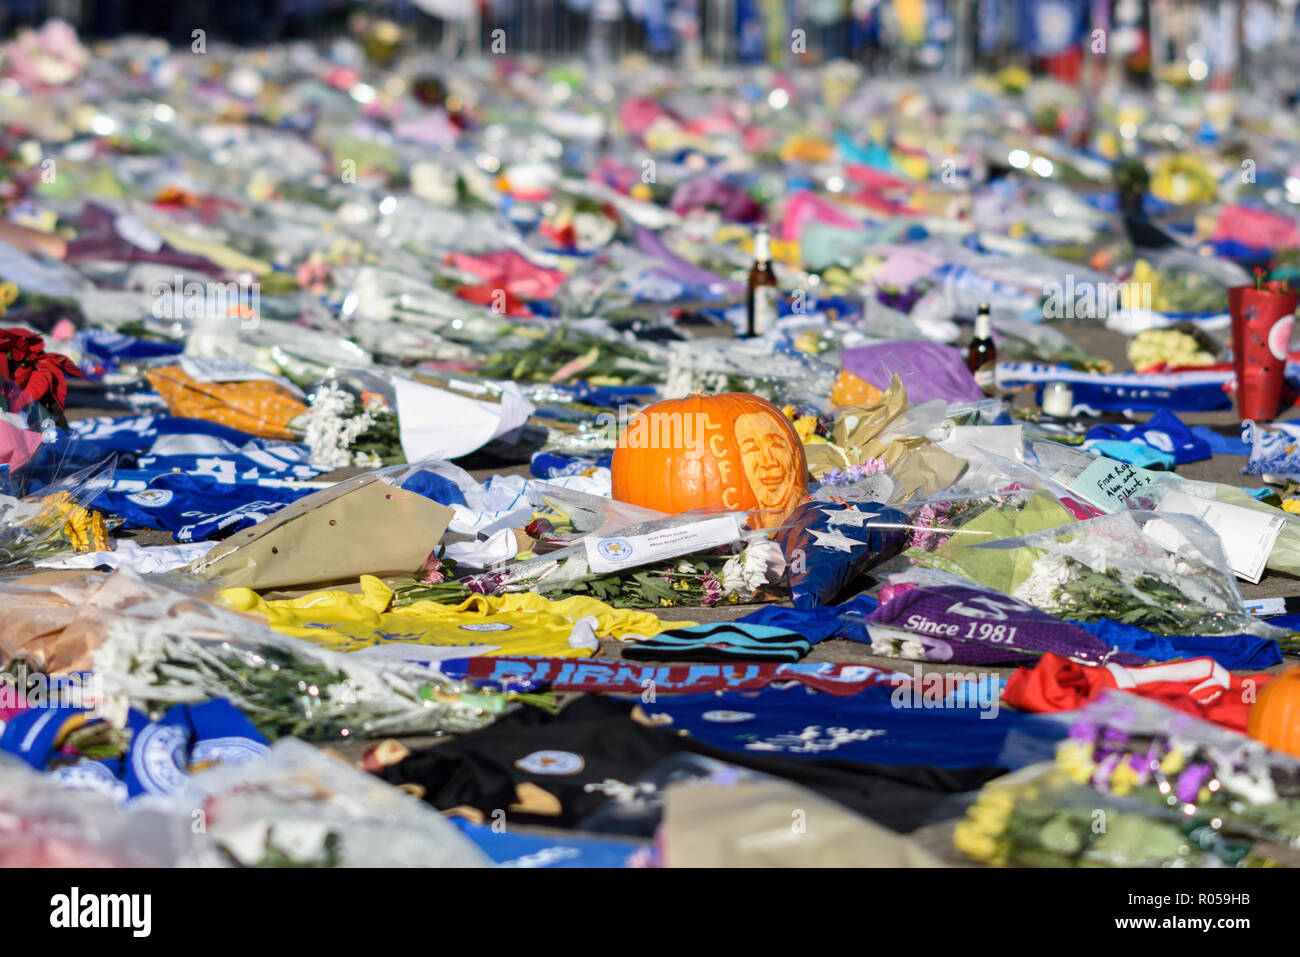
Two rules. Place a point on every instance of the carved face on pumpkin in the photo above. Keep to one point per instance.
(767, 457)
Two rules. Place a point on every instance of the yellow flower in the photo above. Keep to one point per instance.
(973, 842)
(1291, 505)
(1173, 762)
(1075, 759)
(86, 530)
(996, 799)
(992, 821)
(1124, 779)
(805, 425)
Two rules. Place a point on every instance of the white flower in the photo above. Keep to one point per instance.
(1042, 588)
(761, 563)
(764, 563)
(733, 575)
(334, 422)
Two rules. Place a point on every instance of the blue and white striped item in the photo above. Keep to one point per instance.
(1095, 392)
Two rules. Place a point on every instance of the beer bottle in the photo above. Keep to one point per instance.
(983, 355)
(763, 292)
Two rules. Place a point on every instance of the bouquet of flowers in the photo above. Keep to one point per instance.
(568, 354)
(343, 431)
(1136, 748)
(286, 686)
(943, 528)
(702, 579)
(56, 519)
(1039, 817)
(1160, 571)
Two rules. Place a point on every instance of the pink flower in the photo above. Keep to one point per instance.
(928, 519)
(432, 569)
(712, 590)
(889, 592)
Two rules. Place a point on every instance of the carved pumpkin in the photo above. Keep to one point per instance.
(1275, 716)
(735, 450)
(849, 390)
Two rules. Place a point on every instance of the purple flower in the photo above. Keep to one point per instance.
(1190, 781)
(1141, 765)
(712, 589)
(485, 584)
(855, 473)
(1085, 729)
(1105, 768)
(929, 518)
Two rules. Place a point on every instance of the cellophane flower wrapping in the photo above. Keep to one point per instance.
(1040, 817)
(1163, 572)
(1284, 556)
(1134, 747)
(300, 807)
(285, 686)
(45, 824)
(56, 518)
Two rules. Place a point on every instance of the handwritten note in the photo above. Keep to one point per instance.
(1107, 483)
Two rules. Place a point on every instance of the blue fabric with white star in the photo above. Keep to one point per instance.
(826, 544)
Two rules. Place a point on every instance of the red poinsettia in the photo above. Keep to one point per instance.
(41, 376)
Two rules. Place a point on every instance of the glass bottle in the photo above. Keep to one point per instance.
(762, 293)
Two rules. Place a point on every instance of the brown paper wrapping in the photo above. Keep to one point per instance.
(362, 526)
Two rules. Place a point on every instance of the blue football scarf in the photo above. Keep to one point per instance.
(1274, 448)
(108, 349)
(882, 725)
(721, 641)
(1164, 432)
(138, 433)
(161, 754)
(548, 465)
(193, 507)
(1095, 392)
(171, 443)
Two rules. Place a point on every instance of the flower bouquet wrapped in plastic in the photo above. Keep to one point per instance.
(285, 686)
(1138, 749)
(945, 527)
(1040, 817)
(300, 807)
(54, 520)
(1163, 572)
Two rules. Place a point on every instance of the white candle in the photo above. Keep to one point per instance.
(1058, 399)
